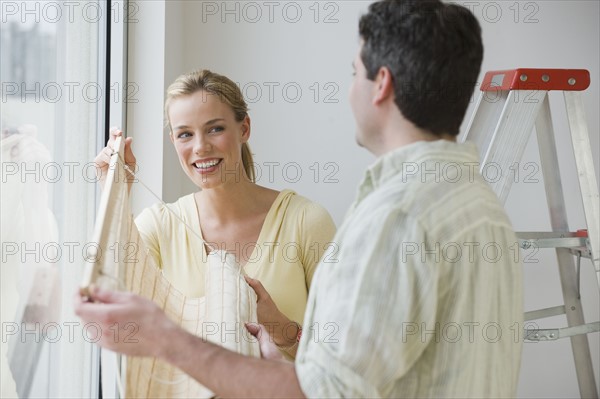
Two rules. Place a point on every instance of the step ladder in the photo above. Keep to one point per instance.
(511, 103)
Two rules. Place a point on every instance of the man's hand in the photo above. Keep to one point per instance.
(135, 326)
(129, 324)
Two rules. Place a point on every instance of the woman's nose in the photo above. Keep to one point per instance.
(201, 144)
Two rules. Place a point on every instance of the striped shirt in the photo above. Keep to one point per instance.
(425, 299)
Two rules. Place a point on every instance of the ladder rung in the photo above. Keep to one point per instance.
(543, 313)
(551, 240)
(552, 334)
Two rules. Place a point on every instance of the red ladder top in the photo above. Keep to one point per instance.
(537, 79)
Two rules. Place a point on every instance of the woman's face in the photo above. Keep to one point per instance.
(208, 139)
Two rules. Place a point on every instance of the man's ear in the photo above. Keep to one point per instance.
(246, 129)
(384, 85)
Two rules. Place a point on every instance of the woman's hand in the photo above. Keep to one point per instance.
(282, 330)
(268, 350)
(102, 160)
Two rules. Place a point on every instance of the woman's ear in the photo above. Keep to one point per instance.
(246, 128)
(171, 136)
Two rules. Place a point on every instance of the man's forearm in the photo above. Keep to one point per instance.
(229, 374)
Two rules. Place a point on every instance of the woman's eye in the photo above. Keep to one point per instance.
(216, 129)
(184, 135)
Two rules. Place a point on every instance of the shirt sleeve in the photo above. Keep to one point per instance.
(317, 230)
(147, 224)
(366, 310)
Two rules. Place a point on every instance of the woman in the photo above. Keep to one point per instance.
(278, 237)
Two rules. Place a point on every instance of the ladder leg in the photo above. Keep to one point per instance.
(587, 176)
(574, 312)
(566, 264)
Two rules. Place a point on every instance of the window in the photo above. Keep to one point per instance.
(56, 93)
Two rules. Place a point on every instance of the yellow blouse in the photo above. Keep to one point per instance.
(295, 233)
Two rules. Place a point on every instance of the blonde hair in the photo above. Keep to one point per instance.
(227, 91)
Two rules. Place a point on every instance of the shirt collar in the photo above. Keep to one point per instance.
(397, 161)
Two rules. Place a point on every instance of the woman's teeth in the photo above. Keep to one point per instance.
(206, 165)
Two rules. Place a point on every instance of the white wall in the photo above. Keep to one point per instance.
(293, 133)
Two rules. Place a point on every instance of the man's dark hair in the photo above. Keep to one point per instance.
(433, 51)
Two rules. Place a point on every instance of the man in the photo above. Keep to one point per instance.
(426, 299)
